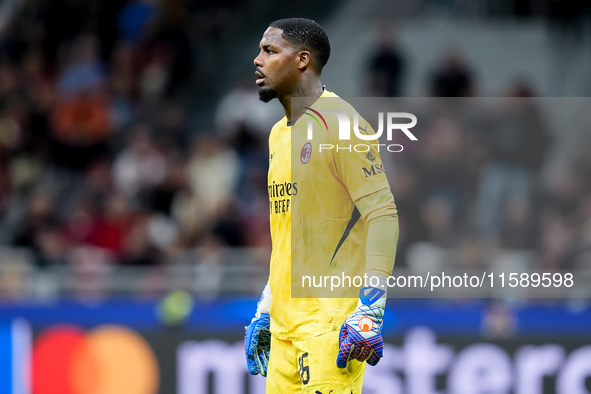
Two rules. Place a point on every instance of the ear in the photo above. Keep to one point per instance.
(305, 60)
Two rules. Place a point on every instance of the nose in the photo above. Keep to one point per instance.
(257, 60)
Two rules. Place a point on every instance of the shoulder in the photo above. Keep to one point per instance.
(334, 101)
(280, 123)
(277, 129)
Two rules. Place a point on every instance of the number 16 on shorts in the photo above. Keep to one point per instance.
(304, 368)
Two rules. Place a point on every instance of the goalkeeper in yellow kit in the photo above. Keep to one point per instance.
(329, 215)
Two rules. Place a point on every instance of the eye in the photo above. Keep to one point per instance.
(270, 50)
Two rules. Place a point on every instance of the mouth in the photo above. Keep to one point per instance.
(260, 77)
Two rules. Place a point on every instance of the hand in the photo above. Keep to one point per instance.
(361, 334)
(257, 344)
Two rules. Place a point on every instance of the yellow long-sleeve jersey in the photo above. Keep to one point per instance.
(316, 229)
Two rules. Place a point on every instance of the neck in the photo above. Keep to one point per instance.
(308, 90)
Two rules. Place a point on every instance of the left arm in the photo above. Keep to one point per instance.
(361, 334)
(379, 211)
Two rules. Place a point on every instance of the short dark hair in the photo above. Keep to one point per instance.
(306, 34)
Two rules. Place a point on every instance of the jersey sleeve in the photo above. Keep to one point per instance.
(379, 211)
(358, 163)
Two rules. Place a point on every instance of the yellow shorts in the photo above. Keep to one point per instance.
(310, 367)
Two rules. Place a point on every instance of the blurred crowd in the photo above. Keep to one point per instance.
(100, 163)
(97, 151)
(475, 192)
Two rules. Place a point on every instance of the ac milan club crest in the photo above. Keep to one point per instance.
(306, 153)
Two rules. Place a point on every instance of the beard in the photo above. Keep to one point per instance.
(266, 94)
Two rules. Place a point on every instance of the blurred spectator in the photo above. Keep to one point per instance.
(12, 135)
(57, 29)
(80, 222)
(123, 86)
(163, 234)
(162, 196)
(37, 221)
(8, 81)
(40, 97)
(243, 120)
(80, 120)
(405, 188)
(228, 226)
(518, 226)
(140, 166)
(452, 77)
(138, 248)
(439, 226)
(172, 126)
(84, 71)
(253, 200)
(168, 38)
(81, 129)
(103, 22)
(213, 174)
(517, 144)
(112, 226)
(563, 197)
(185, 211)
(97, 182)
(50, 248)
(386, 65)
(156, 74)
(556, 244)
(442, 172)
(11, 140)
(566, 20)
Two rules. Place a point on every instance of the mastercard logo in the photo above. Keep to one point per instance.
(107, 360)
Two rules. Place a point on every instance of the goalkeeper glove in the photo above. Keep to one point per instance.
(257, 338)
(360, 337)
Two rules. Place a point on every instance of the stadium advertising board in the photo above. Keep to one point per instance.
(418, 363)
(174, 361)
